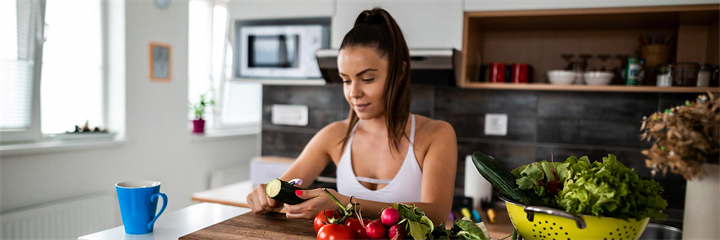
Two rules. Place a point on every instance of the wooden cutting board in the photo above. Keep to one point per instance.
(255, 226)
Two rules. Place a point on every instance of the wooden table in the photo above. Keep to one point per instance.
(277, 226)
(236, 195)
(502, 227)
(255, 226)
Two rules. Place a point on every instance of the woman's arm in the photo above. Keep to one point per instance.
(313, 159)
(315, 156)
(438, 184)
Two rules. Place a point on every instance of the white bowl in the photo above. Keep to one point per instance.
(561, 77)
(598, 78)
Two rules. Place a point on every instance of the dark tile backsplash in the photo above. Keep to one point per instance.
(521, 129)
(597, 105)
(590, 132)
(469, 101)
(566, 123)
(325, 103)
(284, 143)
(668, 100)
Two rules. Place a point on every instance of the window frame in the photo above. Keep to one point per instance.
(219, 85)
(33, 131)
(104, 77)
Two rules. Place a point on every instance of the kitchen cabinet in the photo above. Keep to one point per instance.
(273, 9)
(425, 24)
(539, 37)
(345, 14)
(497, 5)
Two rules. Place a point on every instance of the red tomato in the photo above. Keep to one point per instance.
(355, 225)
(320, 219)
(335, 232)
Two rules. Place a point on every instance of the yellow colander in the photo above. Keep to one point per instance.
(544, 223)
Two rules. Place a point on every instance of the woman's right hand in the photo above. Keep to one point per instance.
(259, 202)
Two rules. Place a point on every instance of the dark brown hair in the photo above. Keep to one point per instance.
(377, 29)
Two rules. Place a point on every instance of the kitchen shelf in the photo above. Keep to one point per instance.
(539, 37)
(586, 88)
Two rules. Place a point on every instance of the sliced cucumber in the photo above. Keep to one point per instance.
(282, 191)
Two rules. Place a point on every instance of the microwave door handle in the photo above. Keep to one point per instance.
(282, 51)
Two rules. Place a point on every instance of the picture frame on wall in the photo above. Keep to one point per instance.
(160, 62)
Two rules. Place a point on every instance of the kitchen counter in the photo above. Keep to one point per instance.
(232, 194)
(174, 225)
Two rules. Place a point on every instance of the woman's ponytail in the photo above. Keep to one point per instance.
(377, 29)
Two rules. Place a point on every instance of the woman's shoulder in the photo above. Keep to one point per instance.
(431, 127)
(334, 130)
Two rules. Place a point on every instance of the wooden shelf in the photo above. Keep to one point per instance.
(586, 88)
(539, 37)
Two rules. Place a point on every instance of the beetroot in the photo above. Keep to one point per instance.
(553, 187)
(390, 216)
(375, 230)
(396, 232)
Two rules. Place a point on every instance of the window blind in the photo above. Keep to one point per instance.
(18, 25)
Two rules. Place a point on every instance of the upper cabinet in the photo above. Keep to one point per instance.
(344, 19)
(254, 10)
(498, 5)
(425, 24)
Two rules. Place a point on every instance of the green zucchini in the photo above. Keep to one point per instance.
(283, 191)
(503, 180)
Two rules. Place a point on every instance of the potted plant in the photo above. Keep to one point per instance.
(686, 142)
(199, 110)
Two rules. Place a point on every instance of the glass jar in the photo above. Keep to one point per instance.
(684, 74)
(663, 75)
(703, 79)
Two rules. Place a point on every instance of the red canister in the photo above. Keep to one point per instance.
(520, 73)
(497, 72)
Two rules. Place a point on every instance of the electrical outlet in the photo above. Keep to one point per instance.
(296, 115)
(496, 124)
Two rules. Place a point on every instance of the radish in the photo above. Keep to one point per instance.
(396, 232)
(390, 216)
(375, 230)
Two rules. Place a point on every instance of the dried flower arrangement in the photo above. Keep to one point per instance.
(685, 137)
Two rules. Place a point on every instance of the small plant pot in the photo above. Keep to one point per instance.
(198, 126)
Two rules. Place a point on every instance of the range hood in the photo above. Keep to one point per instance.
(427, 66)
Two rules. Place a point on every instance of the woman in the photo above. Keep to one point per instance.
(383, 153)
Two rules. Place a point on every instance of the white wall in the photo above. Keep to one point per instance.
(159, 146)
(425, 24)
(495, 5)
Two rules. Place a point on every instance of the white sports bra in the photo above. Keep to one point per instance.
(405, 187)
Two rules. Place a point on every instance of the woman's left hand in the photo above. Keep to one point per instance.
(317, 201)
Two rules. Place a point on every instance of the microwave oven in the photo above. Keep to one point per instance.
(281, 51)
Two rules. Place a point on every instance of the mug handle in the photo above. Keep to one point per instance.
(154, 198)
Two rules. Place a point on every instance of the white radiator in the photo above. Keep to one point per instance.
(67, 219)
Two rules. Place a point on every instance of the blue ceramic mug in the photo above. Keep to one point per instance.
(138, 202)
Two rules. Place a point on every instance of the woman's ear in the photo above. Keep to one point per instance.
(404, 69)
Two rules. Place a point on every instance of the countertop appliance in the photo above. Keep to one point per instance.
(427, 66)
(281, 51)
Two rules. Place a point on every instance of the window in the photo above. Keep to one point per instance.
(72, 84)
(210, 70)
(52, 67)
(19, 46)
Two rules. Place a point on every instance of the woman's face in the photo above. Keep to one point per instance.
(364, 75)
